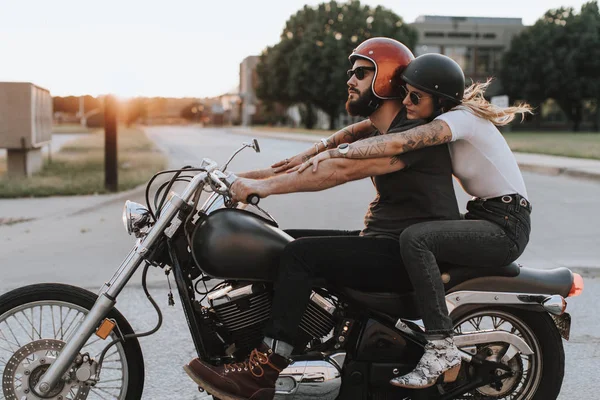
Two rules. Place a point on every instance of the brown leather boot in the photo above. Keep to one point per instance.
(252, 379)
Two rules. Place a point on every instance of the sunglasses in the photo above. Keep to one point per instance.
(359, 72)
(414, 97)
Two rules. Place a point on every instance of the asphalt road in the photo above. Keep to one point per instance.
(84, 246)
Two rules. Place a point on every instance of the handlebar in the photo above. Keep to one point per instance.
(253, 199)
(224, 180)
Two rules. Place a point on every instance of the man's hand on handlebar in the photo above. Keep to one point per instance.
(243, 188)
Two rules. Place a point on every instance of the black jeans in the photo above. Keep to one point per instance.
(343, 257)
(491, 235)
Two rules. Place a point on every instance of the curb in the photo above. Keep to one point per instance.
(525, 166)
(112, 198)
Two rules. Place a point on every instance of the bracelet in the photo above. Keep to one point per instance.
(316, 148)
(325, 143)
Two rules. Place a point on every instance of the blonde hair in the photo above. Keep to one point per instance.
(474, 101)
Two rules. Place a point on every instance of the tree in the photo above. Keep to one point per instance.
(559, 58)
(135, 109)
(308, 65)
(193, 111)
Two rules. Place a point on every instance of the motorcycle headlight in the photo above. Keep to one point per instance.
(136, 217)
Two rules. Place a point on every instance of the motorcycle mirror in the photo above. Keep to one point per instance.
(254, 145)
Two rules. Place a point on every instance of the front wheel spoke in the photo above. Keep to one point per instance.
(31, 322)
(22, 327)
(13, 333)
(92, 342)
(111, 354)
(41, 318)
(11, 344)
(7, 350)
(111, 368)
(63, 332)
(53, 324)
(95, 389)
(110, 380)
(67, 333)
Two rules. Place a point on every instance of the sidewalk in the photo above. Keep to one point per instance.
(538, 163)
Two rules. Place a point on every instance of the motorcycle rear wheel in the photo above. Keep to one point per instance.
(35, 322)
(541, 373)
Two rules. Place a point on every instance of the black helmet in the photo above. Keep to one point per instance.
(436, 74)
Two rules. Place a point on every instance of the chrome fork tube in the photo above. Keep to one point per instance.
(111, 289)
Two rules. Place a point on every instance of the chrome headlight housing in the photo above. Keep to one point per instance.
(136, 218)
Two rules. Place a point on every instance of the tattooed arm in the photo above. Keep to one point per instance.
(350, 134)
(332, 173)
(432, 134)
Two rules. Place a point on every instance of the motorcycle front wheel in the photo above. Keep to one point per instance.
(35, 323)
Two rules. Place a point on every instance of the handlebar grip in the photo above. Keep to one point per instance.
(253, 199)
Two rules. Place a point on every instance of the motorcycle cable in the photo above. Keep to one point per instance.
(161, 187)
(168, 189)
(136, 335)
(208, 291)
(170, 171)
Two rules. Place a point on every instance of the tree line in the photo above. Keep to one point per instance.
(556, 58)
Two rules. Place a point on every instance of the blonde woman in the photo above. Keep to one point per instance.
(496, 227)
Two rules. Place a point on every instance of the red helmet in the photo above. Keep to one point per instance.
(390, 58)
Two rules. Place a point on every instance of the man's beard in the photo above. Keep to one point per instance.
(364, 106)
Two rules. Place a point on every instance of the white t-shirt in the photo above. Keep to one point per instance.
(481, 159)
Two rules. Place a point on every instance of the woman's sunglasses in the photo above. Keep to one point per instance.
(359, 72)
(414, 97)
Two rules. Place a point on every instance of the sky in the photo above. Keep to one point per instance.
(174, 48)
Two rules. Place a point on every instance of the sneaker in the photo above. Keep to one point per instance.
(252, 379)
(441, 357)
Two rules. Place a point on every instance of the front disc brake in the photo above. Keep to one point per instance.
(27, 365)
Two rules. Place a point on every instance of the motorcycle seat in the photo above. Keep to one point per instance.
(403, 304)
(529, 280)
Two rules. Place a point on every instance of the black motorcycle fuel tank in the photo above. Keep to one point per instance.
(238, 244)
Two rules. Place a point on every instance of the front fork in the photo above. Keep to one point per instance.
(107, 296)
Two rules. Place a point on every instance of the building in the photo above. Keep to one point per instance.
(248, 82)
(477, 44)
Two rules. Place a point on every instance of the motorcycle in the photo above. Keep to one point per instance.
(63, 342)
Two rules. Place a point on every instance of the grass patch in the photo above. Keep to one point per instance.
(78, 168)
(71, 128)
(567, 144)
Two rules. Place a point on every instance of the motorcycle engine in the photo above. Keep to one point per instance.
(243, 312)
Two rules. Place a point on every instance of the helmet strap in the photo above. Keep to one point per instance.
(437, 107)
(375, 101)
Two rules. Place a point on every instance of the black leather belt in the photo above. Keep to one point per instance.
(511, 198)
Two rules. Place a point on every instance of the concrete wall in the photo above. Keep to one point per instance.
(25, 125)
(25, 115)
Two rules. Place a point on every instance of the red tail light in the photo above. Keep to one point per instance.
(577, 286)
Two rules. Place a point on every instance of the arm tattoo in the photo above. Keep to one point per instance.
(349, 134)
(395, 160)
(431, 134)
(305, 158)
(325, 182)
(352, 134)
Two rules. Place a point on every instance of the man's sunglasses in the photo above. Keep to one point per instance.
(414, 97)
(359, 72)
